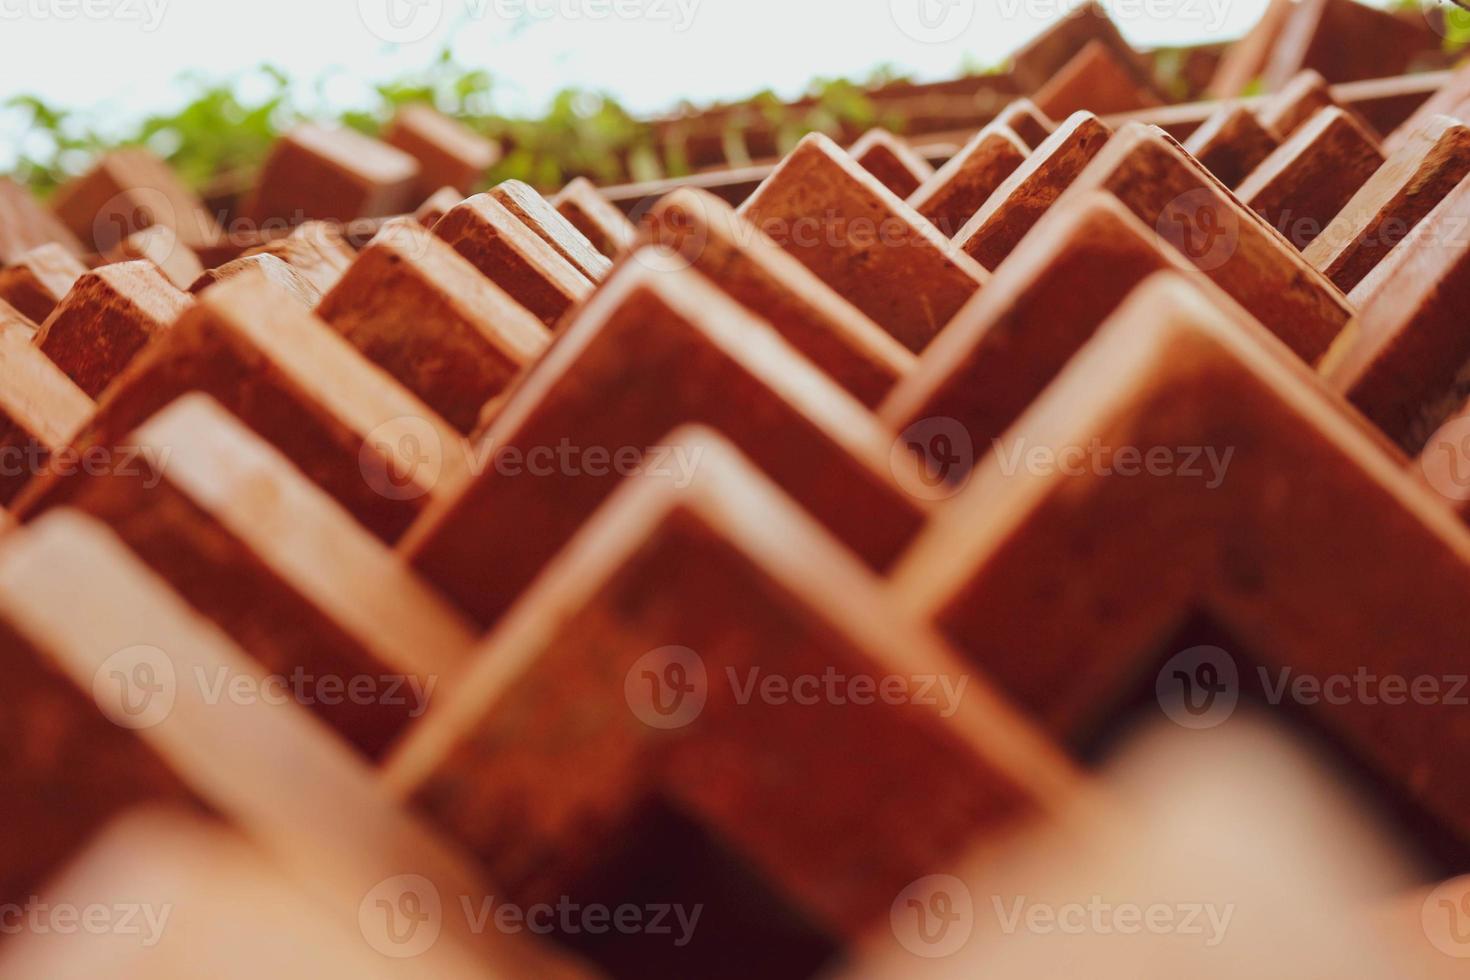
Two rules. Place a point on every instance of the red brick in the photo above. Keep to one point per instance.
(331, 174)
(736, 256)
(25, 225)
(127, 191)
(1023, 197)
(537, 214)
(252, 544)
(1170, 370)
(892, 161)
(962, 186)
(449, 153)
(422, 313)
(708, 361)
(514, 257)
(541, 767)
(864, 242)
(379, 451)
(1390, 205)
(1311, 177)
(609, 231)
(37, 280)
(108, 317)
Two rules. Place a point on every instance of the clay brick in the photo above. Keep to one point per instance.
(25, 225)
(252, 544)
(863, 241)
(315, 249)
(1444, 464)
(1044, 304)
(1404, 366)
(1452, 99)
(1026, 121)
(1390, 205)
(331, 174)
(736, 256)
(1299, 100)
(1094, 80)
(312, 809)
(710, 362)
(449, 153)
(41, 410)
(563, 766)
(272, 268)
(1170, 192)
(1171, 370)
(379, 451)
(1040, 60)
(108, 317)
(210, 893)
(609, 231)
(1232, 143)
(952, 196)
(162, 247)
(127, 191)
(891, 160)
(437, 205)
(67, 769)
(14, 323)
(1012, 340)
(422, 313)
(1301, 187)
(537, 214)
(1345, 41)
(1244, 62)
(37, 280)
(514, 257)
(1023, 197)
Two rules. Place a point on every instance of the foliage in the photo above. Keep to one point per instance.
(222, 133)
(1454, 16)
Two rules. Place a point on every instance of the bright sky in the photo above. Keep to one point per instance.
(119, 56)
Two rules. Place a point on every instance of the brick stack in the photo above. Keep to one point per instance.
(439, 603)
